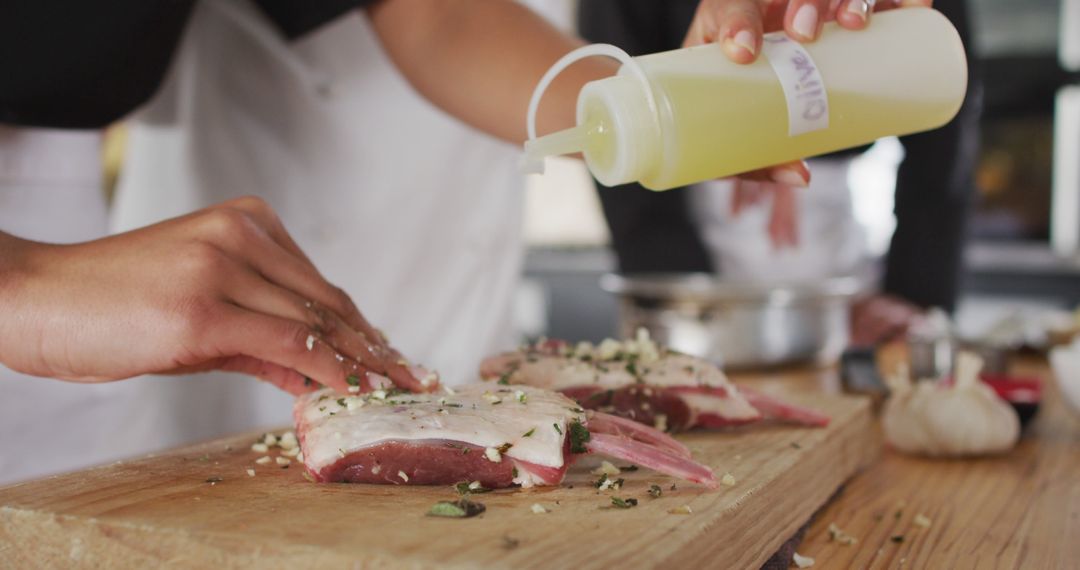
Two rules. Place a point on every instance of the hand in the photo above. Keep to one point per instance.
(783, 227)
(223, 288)
(738, 25)
(880, 318)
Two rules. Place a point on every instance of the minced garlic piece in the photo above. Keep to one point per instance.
(606, 468)
(352, 404)
(922, 520)
(660, 422)
(538, 509)
(521, 396)
(683, 510)
(491, 398)
(310, 342)
(300, 457)
(282, 460)
(474, 485)
(376, 469)
(403, 476)
(270, 440)
(608, 349)
(293, 452)
(288, 440)
(260, 448)
(354, 389)
(263, 460)
(251, 472)
(430, 379)
(728, 479)
(840, 536)
(493, 455)
(378, 394)
(802, 561)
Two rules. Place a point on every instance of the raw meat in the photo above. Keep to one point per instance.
(496, 435)
(639, 380)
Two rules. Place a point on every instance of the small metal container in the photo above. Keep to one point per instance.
(738, 325)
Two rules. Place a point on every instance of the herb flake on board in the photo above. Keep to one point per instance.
(623, 503)
(459, 509)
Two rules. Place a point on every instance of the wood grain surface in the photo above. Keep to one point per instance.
(1019, 510)
(196, 507)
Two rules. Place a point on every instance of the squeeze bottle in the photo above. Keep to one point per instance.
(687, 115)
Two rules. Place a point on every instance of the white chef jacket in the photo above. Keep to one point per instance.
(831, 241)
(50, 190)
(414, 214)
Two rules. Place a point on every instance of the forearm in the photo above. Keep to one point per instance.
(479, 60)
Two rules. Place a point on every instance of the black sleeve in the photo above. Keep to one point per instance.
(297, 17)
(934, 191)
(650, 231)
(84, 64)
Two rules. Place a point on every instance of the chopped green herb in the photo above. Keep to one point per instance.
(353, 380)
(307, 382)
(504, 448)
(623, 503)
(557, 428)
(514, 473)
(341, 402)
(322, 408)
(579, 436)
(463, 488)
(212, 480)
(655, 491)
(505, 378)
(673, 487)
(631, 367)
(510, 543)
(897, 538)
(323, 398)
(529, 433)
(629, 468)
(452, 405)
(795, 445)
(461, 509)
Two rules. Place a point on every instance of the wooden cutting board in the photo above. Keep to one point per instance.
(172, 508)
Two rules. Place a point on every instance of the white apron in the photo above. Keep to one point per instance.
(50, 190)
(414, 214)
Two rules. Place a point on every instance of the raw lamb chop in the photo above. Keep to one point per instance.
(496, 435)
(639, 380)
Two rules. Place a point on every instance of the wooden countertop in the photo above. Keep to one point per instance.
(1020, 510)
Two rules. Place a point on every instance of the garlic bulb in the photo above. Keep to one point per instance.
(933, 419)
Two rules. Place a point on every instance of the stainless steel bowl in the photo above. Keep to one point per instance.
(738, 325)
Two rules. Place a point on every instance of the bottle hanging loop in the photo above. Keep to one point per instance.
(535, 164)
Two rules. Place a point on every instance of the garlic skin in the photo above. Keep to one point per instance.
(964, 419)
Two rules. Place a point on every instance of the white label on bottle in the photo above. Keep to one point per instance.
(807, 100)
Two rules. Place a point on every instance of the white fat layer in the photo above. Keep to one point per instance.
(560, 373)
(731, 408)
(417, 417)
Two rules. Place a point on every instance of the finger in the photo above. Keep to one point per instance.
(266, 220)
(740, 30)
(260, 211)
(288, 380)
(286, 343)
(790, 174)
(804, 18)
(248, 289)
(854, 14)
(785, 214)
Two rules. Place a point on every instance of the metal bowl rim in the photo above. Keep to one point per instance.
(705, 287)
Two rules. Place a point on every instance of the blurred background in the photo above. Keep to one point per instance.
(1023, 247)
